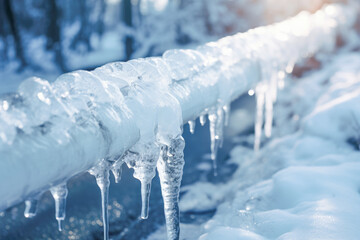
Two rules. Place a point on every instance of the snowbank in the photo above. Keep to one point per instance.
(299, 186)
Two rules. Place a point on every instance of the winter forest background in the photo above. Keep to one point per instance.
(49, 36)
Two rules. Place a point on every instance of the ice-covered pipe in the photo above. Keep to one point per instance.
(51, 132)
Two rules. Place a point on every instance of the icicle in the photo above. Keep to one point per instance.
(145, 199)
(31, 207)
(202, 119)
(170, 169)
(226, 109)
(116, 169)
(192, 126)
(101, 174)
(59, 194)
(268, 113)
(216, 120)
(260, 95)
(143, 159)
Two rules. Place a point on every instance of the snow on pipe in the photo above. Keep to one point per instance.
(132, 112)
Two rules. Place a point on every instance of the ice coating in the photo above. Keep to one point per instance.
(183, 63)
(59, 194)
(170, 169)
(101, 114)
(101, 174)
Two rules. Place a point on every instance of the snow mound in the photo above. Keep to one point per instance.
(299, 186)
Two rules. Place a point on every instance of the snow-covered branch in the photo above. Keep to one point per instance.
(133, 112)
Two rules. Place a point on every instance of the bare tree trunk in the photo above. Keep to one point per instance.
(83, 36)
(3, 34)
(100, 22)
(14, 31)
(53, 33)
(127, 17)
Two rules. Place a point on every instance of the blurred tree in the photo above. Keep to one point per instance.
(53, 33)
(127, 18)
(14, 32)
(91, 14)
(68, 29)
(3, 36)
(83, 35)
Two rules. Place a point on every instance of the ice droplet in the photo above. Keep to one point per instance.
(31, 207)
(59, 194)
(101, 174)
(202, 119)
(192, 124)
(251, 92)
(170, 168)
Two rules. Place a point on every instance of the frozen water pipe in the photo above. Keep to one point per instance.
(51, 132)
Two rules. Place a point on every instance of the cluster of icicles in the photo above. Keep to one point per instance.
(145, 159)
(168, 159)
(152, 90)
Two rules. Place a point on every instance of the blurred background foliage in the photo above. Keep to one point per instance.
(64, 35)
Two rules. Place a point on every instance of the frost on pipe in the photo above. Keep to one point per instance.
(132, 112)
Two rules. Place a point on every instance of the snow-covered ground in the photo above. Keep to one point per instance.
(304, 183)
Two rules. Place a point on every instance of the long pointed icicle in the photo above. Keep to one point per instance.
(260, 99)
(216, 120)
(170, 168)
(268, 113)
(31, 207)
(143, 159)
(59, 194)
(270, 99)
(101, 173)
(202, 119)
(192, 126)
